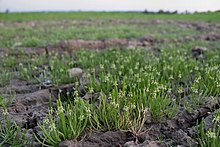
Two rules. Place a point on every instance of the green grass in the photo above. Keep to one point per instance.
(130, 83)
(133, 82)
(10, 133)
(43, 35)
(212, 16)
(52, 27)
(128, 79)
(209, 138)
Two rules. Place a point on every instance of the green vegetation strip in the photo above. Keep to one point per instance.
(211, 16)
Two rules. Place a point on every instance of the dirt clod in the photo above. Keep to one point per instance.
(108, 139)
(198, 51)
(146, 143)
(181, 138)
(186, 119)
(69, 143)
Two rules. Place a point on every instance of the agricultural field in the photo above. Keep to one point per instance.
(109, 79)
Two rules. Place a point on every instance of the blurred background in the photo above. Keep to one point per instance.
(181, 6)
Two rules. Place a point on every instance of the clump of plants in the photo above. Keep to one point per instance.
(68, 121)
(10, 133)
(210, 137)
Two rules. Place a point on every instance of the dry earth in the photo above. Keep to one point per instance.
(31, 101)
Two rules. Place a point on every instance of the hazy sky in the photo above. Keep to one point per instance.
(109, 5)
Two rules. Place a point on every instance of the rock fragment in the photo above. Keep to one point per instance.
(75, 72)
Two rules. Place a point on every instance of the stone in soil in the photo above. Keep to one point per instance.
(75, 72)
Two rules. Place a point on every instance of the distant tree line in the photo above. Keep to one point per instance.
(172, 12)
(160, 12)
(148, 12)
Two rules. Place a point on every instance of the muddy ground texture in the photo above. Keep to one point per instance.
(31, 101)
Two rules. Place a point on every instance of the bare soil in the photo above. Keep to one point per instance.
(31, 106)
(32, 100)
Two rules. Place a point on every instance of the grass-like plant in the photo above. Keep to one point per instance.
(66, 122)
(116, 112)
(10, 132)
(211, 137)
